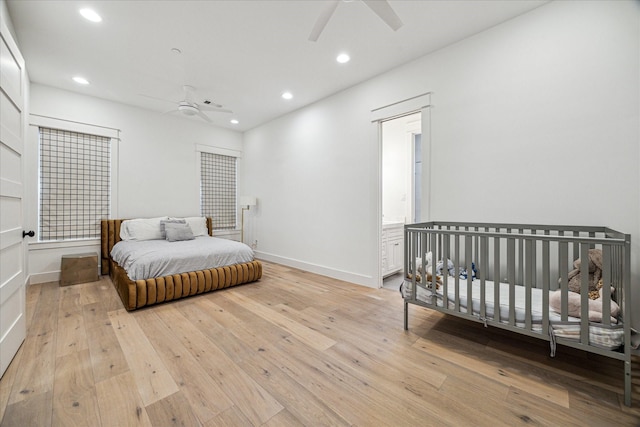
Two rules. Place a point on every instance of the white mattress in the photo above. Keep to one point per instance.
(148, 259)
(603, 336)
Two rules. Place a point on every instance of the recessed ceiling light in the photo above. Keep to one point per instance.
(234, 121)
(81, 80)
(90, 15)
(343, 58)
(287, 95)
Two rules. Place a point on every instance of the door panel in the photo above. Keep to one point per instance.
(12, 254)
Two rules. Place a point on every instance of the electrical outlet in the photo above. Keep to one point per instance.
(254, 245)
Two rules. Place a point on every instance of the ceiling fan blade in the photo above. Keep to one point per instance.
(323, 19)
(170, 112)
(383, 9)
(209, 104)
(157, 99)
(204, 116)
(212, 108)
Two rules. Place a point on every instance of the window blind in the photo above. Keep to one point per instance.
(218, 189)
(75, 178)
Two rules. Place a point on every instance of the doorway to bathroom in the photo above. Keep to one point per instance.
(401, 190)
(404, 143)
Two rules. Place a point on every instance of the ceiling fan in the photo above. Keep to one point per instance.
(188, 107)
(382, 8)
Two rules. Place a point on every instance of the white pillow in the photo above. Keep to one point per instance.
(142, 229)
(198, 225)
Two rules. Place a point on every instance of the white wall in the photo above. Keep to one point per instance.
(316, 176)
(157, 164)
(535, 120)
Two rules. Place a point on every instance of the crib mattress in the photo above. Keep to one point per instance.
(610, 337)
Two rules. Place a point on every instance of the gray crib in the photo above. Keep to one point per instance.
(504, 274)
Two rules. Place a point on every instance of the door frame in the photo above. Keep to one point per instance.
(419, 103)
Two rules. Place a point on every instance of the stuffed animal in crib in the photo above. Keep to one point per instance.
(429, 279)
(574, 305)
(428, 262)
(595, 272)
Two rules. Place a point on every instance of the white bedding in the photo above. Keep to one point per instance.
(156, 258)
(599, 335)
(536, 300)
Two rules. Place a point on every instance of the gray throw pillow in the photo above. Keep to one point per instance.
(177, 232)
(164, 222)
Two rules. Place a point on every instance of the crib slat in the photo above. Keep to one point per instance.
(546, 278)
(606, 287)
(446, 239)
(534, 279)
(520, 261)
(496, 278)
(434, 295)
(511, 278)
(563, 249)
(414, 273)
(528, 282)
(456, 264)
(483, 264)
(584, 293)
(468, 242)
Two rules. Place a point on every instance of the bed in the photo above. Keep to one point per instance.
(153, 284)
(530, 279)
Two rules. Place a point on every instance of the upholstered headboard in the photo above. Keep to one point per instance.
(110, 235)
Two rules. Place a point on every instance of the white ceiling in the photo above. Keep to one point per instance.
(241, 54)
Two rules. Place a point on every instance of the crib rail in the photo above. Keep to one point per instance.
(517, 267)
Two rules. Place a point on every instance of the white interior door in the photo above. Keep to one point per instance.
(12, 259)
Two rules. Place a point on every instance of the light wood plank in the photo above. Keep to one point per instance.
(75, 401)
(7, 381)
(71, 335)
(284, 419)
(350, 397)
(203, 394)
(498, 373)
(152, 378)
(232, 417)
(32, 412)
(306, 335)
(120, 403)
(307, 408)
(173, 410)
(107, 357)
(218, 325)
(254, 402)
(37, 367)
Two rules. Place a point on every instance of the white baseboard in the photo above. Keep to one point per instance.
(50, 276)
(358, 279)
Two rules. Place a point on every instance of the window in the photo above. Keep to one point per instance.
(75, 177)
(218, 189)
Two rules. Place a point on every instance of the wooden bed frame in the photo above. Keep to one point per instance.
(140, 293)
(522, 256)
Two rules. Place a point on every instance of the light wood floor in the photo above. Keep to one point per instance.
(293, 349)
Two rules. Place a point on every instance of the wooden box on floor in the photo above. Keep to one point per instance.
(79, 268)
